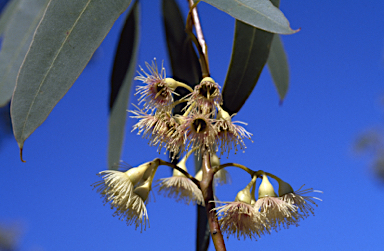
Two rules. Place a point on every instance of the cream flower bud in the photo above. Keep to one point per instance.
(244, 196)
(221, 114)
(171, 83)
(215, 161)
(284, 187)
(137, 173)
(266, 188)
(253, 198)
(181, 165)
(143, 190)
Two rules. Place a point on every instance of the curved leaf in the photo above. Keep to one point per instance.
(121, 80)
(257, 13)
(249, 55)
(17, 38)
(64, 42)
(278, 67)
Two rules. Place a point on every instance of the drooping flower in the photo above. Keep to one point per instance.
(230, 135)
(206, 95)
(303, 202)
(136, 212)
(157, 91)
(180, 187)
(278, 212)
(119, 189)
(240, 218)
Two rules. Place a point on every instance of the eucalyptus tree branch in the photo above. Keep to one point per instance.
(207, 190)
(194, 20)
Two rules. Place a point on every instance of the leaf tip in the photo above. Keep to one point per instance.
(21, 155)
(296, 31)
(281, 102)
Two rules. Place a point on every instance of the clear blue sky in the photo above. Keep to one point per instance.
(337, 73)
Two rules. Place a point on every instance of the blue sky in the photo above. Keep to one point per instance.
(337, 73)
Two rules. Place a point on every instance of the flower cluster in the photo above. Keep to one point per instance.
(204, 127)
(204, 124)
(248, 217)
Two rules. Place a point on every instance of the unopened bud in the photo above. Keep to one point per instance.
(137, 173)
(244, 196)
(181, 165)
(171, 83)
(221, 114)
(143, 190)
(284, 187)
(266, 188)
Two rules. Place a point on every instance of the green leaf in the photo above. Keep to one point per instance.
(257, 13)
(17, 38)
(121, 80)
(184, 61)
(64, 42)
(6, 14)
(249, 55)
(203, 235)
(278, 67)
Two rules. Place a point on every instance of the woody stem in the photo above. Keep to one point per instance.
(194, 20)
(206, 185)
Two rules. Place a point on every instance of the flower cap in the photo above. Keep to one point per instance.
(266, 188)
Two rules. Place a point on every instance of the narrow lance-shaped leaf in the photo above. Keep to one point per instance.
(17, 38)
(249, 55)
(64, 42)
(7, 14)
(257, 13)
(278, 67)
(121, 82)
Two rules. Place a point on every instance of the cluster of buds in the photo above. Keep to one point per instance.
(203, 128)
(203, 125)
(248, 217)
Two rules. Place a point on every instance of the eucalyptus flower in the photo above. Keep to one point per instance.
(125, 193)
(240, 218)
(206, 95)
(180, 187)
(230, 134)
(278, 212)
(157, 89)
(299, 198)
(199, 132)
